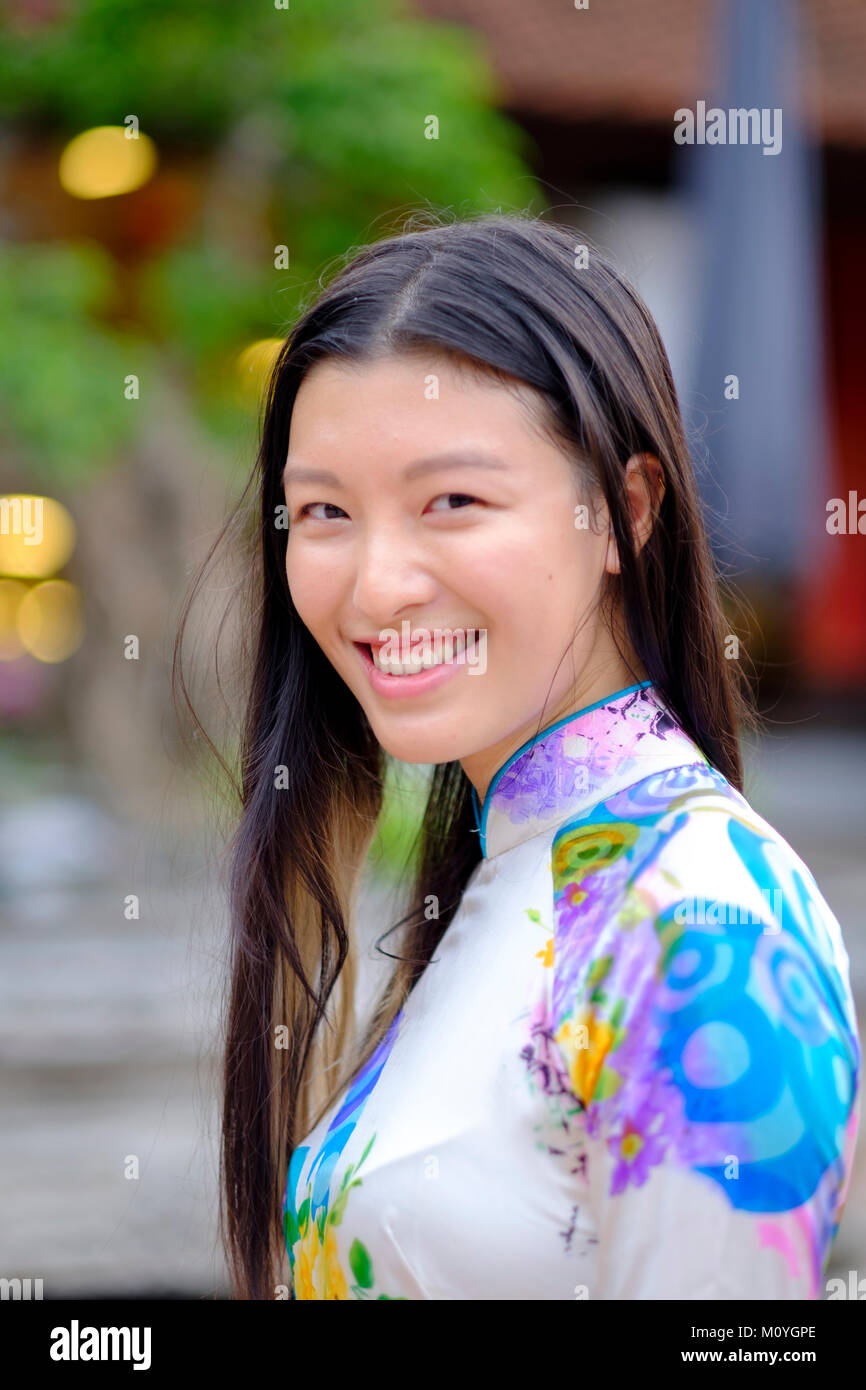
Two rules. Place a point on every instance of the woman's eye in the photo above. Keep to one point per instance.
(309, 510)
(459, 499)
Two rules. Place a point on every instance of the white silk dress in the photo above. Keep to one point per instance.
(632, 1069)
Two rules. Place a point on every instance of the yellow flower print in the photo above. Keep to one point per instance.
(546, 956)
(306, 1255)
(318, 1275)
(585, 1041)
(574, 896)
(333, 1281)
(631, 1143)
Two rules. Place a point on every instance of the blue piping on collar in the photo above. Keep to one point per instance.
(481, 815)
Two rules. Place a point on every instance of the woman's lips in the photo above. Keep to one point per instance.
(400, 687)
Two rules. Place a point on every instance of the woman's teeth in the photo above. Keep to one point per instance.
(443, 653)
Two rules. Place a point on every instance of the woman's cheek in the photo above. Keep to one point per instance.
(313, 589)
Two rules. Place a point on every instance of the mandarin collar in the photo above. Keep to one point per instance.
(579, 761)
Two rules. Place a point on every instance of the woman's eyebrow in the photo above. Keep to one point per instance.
(296, 473)
(436, 462)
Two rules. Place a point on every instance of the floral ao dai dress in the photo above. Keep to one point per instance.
(631, 1070)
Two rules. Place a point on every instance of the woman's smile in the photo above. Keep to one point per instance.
(426, 659)
(393, 682)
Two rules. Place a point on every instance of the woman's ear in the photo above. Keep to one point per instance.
(645, 488)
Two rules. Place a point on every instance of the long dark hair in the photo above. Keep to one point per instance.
(506, 293)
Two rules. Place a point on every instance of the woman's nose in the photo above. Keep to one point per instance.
(391, 575)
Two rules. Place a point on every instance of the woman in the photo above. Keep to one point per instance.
(617, 1056)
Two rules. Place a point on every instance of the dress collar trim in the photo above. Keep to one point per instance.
(579, 761)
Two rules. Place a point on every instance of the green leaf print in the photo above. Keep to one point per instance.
(361, 1264)
(304, 1215)
(608, 1084)
(598, 970)
(347, 1184)
(290, 1227)
(366, 1151)
(339, 1206)
(617, 1013)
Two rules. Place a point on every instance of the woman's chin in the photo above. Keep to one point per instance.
(426, 747)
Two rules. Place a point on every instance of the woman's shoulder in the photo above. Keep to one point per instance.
(677, 906)
(686, 841)
(701, 999)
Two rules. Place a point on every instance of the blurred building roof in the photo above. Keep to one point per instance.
(637, 62)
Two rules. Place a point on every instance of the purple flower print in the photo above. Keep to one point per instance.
(637, 1142)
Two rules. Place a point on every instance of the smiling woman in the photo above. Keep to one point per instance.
(386, 546)
(574, 1085)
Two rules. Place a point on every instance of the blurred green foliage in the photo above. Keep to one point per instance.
(62, 403)
(394, 851)
(323, 104)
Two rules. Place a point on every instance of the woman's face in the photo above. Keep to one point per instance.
(422, 500)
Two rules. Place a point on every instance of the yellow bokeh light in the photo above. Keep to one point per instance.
(37, 536)
(50, 623)
(255, 364)
(11, 594)
(105, 161)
